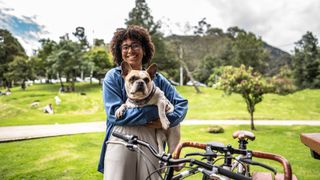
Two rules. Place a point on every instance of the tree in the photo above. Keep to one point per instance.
(215, 32)
(202, 27)
(233, 32)
(20, 70)
(283, 82)
(164, 57)
(306, 62)
(42, 65)
(67, 60)
(140, 15)
(99, 61)
(247, 49)
(243, 81)
(9, 48)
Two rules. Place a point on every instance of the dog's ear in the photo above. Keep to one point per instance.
(126, 68)
(152, 69)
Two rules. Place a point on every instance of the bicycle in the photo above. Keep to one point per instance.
(208, 168)
(244, 159)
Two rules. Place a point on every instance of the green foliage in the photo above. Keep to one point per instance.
(282, 83)
(245, 82)
(141, 15)
(42, 65)
(247, 49)
(307, 62)
(202, 27)
(98, 60)
(20, 69)
(67, 59)
(164, 57)
(9, 48)
(213, 80)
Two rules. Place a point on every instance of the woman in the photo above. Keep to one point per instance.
(134, 46)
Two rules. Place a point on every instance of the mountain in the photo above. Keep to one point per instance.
(278, 58)
(196, 48)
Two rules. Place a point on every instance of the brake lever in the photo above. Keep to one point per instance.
(249, 161)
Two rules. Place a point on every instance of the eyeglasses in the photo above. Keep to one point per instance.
(133, 46)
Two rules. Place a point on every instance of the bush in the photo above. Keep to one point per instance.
(215, 129)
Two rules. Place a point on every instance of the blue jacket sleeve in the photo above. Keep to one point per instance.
(180, 104)
(114, 95)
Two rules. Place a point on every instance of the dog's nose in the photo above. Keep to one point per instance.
(140, 84)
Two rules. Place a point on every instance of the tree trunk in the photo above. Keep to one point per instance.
(187, 69)
(23, 85)
(61, 84)
(73, 81)
(252, 124)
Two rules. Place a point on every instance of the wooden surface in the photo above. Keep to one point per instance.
(312, 140)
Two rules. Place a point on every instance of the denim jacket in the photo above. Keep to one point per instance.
(114, 95)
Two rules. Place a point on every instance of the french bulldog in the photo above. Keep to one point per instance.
(141, 91)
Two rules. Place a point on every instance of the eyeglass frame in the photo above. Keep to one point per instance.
(134, 46)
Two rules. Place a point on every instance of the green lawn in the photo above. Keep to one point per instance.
(76, 156)
(211, 104)
(16, 110)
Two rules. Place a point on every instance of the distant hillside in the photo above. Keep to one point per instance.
(196, 48)
(278, 58)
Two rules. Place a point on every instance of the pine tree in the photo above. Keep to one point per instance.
(307, 62)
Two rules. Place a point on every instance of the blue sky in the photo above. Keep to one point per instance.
(279, 23)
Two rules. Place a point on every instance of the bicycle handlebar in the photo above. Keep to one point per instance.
(284, 162)
(224, 149)
(167, 158)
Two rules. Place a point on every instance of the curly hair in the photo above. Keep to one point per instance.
(136, 33)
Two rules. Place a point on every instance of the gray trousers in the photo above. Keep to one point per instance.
(123, 164)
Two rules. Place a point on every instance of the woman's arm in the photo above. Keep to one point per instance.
(180, 104)
(114, 96)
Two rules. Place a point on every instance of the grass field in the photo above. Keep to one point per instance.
(211, 104)
(76, 156)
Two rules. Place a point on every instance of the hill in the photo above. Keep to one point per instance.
(196, 48)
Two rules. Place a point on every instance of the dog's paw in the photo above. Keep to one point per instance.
(120, 111)
(169, 107)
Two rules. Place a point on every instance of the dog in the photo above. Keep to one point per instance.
(142, 91)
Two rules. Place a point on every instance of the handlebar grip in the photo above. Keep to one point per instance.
(177, 151)
(231, 174)
(284, 162)
(124, 137)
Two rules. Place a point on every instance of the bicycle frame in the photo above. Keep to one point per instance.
(207, 169)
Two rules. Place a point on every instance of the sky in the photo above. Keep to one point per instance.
(280, 23)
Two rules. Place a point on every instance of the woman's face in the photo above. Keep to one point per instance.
(132, 53)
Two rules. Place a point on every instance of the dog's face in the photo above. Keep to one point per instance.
(138, 84)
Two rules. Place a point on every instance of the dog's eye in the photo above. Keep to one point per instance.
(132, 79)
(146, 80)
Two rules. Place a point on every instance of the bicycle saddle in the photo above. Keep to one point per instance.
(242, 135)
